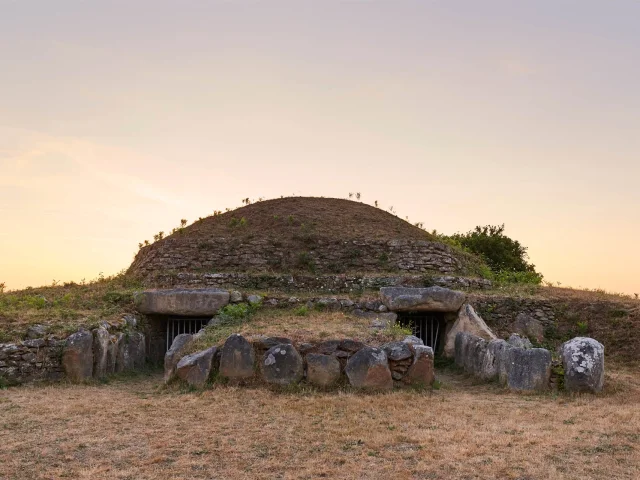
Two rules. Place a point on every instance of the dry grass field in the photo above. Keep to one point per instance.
(133, 428)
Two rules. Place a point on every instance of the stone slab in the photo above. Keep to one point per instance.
(186, 302)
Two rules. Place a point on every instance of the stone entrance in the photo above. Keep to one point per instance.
(427, 326)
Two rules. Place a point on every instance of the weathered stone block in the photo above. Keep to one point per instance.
(421, 371)
(529, 327)
(468, 321)
(203, 302)
(101, 340)
(237, 359)
(322, 370)
(528, 369)
(282, 365)
(369, 369)
(433, 299)
(77, 356)
(195, 369)
(583, 362)
(175, 353)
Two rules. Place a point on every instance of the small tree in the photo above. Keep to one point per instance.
(2, 287)
(502, 254)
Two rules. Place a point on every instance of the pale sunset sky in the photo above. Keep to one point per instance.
(119, 118)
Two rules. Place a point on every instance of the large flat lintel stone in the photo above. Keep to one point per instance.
(430, 299)
(186, 302)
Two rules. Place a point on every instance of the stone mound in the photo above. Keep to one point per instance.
(317, 235)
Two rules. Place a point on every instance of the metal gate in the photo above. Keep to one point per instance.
(178, 325)
(427, 326)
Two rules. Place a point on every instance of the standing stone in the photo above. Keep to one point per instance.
(368, 369)
(322, 370)
(421, 371)
(115, 344)
(468, 321)
(77, 356)
(237, 359)
(528, 369)
(461, 345)
(195, 369)
(494, 364)
(132, 352)
(101, 342)
(282, 365)
(528, 326)
(583, 362)
(175, 353)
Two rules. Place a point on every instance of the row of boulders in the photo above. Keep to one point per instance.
(275, 360)
(520, 367)
(98, 353)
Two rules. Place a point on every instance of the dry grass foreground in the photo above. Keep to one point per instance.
(133, 429)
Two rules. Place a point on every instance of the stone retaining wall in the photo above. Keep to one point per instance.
(275, 360)
(32, 360)
(323, 256)
(311, 283)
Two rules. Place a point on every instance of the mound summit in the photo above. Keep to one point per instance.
(317, 235)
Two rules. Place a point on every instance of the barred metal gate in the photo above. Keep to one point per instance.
(178, 325)
(428, 326)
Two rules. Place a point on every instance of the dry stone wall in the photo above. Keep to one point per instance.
(32, 360)
(323, 256)
(344, 283)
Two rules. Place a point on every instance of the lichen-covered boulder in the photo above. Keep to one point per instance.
(282, 365)
(36, 331)
(101, 342)
(431, 299)
(77, 356)
(519, 341)
(421, 371)
(322, 370)
(494, 363)
(238, 358)
(369, 369)
(529, 327)
(195, 369)
(468, 321)
(528, 369)
(175, 353)
(583, 362)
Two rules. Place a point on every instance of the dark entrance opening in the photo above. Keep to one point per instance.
(428, 326)
(178, 325)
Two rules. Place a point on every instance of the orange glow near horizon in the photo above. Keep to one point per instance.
(488, 114)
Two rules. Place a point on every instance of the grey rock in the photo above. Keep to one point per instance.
(36, 331)
(434, 299)
(517, 341)
(235, 296)
(254, 299)
(421, 371)
(282, 365)
(346, 303)
(77, 356)
(131, 352)
(35, 343)
(583, 362)
(378, 319)
(195, 369)
(101, 341)
(237, 359)
(383, 308)
(175, 353)
(413, 340)
(468, 321)
(187, 302)
(115, 344)
(263, 343)
(494, 363)
(369, 369)
(322, 370)
(397, 351)
(528, 326)
(528, 369)
(350, 346)
(330, 304)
